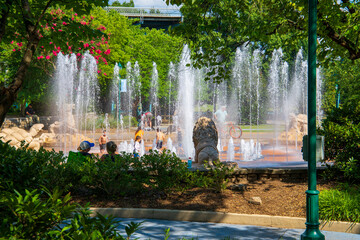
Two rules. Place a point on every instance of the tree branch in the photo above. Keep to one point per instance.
(354, 52)
(43, 13)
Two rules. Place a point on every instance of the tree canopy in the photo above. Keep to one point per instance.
(219, 27)
(28, 24)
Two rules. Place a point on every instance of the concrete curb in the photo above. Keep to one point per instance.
(220, 217)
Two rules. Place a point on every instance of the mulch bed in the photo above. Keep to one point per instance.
(279, 198)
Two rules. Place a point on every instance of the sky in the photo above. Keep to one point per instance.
(146, 3)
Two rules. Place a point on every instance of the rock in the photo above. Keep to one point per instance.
(24, 133)
(7, 131)
(2, 135)
(255, 200)
(18, 136)
(34, 145)
(205, 138)
(296, 130)
(13, 141)
(35, 129)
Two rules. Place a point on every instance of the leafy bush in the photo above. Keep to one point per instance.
(341, 129)
(340, 205)
(29, 169)
(31, 217)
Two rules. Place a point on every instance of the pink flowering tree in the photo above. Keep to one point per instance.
(32, 33)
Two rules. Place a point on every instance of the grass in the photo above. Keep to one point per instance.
(340, 204)
(262, 128)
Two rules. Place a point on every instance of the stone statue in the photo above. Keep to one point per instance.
(205, 138)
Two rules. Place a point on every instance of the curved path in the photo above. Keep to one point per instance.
(154, 229)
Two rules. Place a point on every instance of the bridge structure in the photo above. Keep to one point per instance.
(151, 17)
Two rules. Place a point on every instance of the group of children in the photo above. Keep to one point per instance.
(111, 147)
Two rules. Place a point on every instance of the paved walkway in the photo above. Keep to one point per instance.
(154, 229)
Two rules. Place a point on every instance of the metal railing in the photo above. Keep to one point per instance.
(146, 12)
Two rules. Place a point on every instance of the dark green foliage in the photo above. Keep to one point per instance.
(28, 169)
(341, 129)
(33, 216)
(163, 172)
(340, 204)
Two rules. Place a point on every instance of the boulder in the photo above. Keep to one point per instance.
(2, 135)
(13, 140)
(205, 138)
(7, 131)
(34, 145)
(255, 200)
(35, 129)
(18, 136)
(24, 133)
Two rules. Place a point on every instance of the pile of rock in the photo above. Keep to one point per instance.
(298, 127)
(16, 135)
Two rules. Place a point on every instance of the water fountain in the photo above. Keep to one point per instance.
(76, 89)
(186, 101)
(243, 95)
(154, 92)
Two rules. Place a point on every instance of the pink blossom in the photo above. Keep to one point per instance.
(99, 71)
(105, 74)
(91, 51)
(50, 42)
(64, 23)
(59, 48)
(107, 52)
(72, 18)
(83, 17)
(48, 57)
(106, 42)
(54, 24)
(42, 46)
(14, 50)
(52, 28)
(40, 57)
(60, 30)
(12, 42)
(75, 14)
(92, 42)
(69, 47)
(19, 44)
(79, 54)
(91, 17)
(55, 53)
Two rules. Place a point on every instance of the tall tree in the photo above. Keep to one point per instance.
(219, 26)
(25, 19)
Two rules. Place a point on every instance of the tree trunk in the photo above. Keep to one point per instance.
(8, 95)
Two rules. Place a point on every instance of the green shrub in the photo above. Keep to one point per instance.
(340, 205)
(31, 217)
(341, 129)
(124, 176)
(29, 169)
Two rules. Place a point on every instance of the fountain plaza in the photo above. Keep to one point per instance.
(279, 105)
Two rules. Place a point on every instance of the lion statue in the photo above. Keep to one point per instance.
(205, 138)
